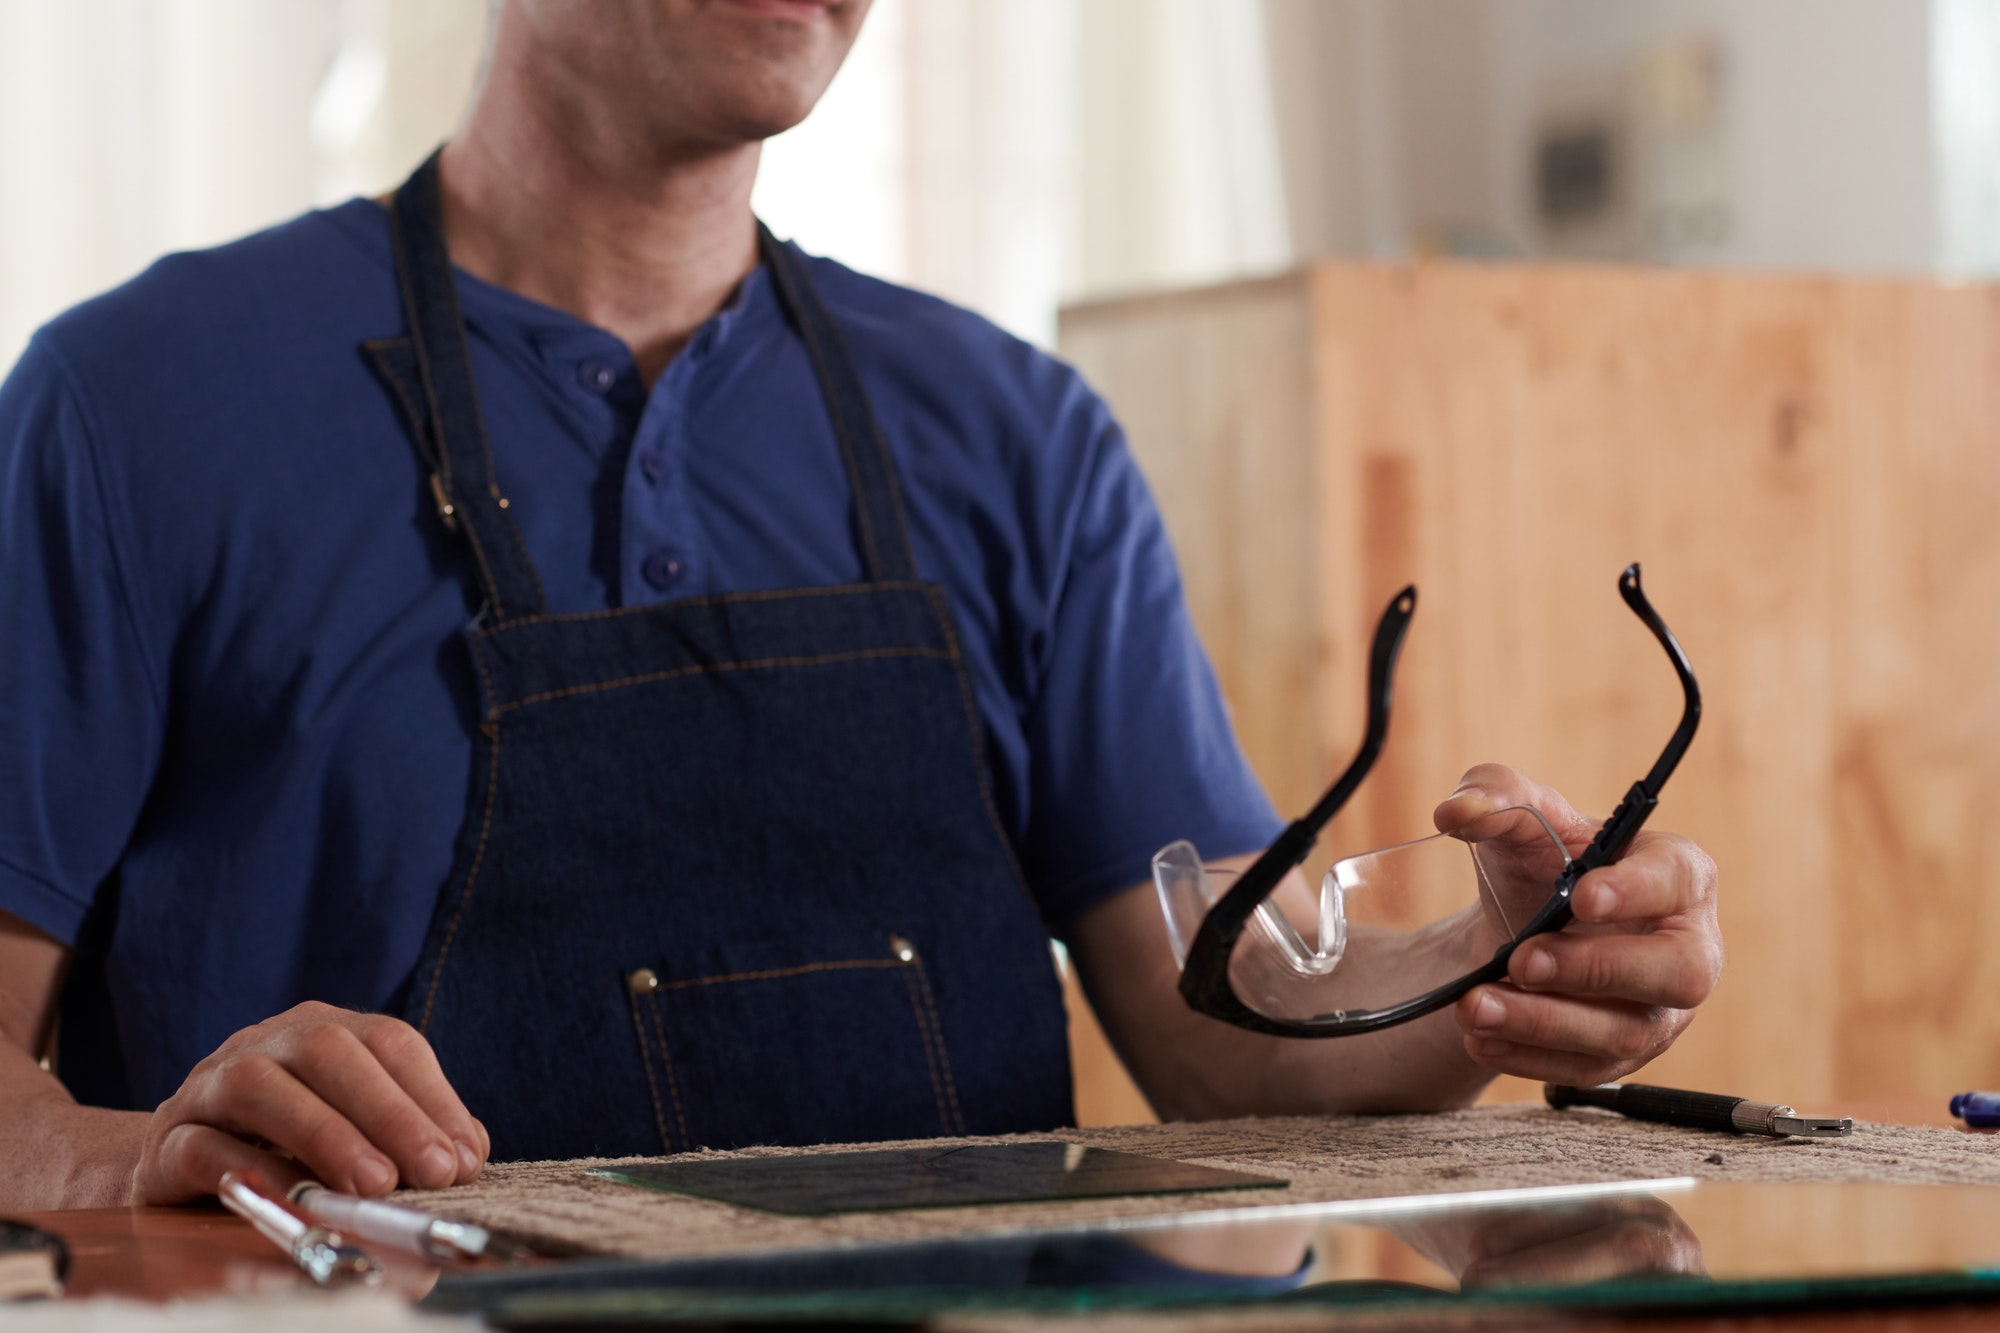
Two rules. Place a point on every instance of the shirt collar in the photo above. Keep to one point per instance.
(507, 316)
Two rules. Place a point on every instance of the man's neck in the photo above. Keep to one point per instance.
(644, 245)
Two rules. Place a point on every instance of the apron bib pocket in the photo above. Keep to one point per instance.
(714, 1084)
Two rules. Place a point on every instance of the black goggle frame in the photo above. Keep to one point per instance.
(1205, 981)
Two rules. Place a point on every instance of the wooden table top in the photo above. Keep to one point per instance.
(157, 1254)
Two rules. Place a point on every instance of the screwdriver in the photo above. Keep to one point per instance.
(1698, 1110)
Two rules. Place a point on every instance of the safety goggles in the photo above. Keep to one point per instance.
(1406, 930)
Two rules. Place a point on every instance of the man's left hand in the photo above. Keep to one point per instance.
(1598, 999)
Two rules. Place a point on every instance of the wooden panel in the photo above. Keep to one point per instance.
(1809, 470)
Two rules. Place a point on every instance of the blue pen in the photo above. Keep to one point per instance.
(1980, 1110)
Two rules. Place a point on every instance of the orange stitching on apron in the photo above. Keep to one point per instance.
(469, 528)
(667, 1061)
(718, 599)
(776, 973)
(957, 1122)
(930, 1053)
(646, 1063)
(936, 1060)
(513, 528)
(471, 878)
(651, 677)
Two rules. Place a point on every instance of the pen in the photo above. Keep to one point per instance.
(407, 1229)
(1979, 1110)
(1698, 1110)
(324, 1254)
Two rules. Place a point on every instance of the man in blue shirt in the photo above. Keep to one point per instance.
(619, 685)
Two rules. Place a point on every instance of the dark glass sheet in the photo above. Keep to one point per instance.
(877, 1179)
(1711, 1248)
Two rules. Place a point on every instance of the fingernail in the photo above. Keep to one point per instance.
(436, 1167)
(1602, 902)
(468, 1163)
(372, 1175)
(1488, 1014)
(1537, 966)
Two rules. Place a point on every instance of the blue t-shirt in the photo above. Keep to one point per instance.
(235, 712)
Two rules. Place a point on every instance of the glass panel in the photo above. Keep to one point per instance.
(1617, 1247)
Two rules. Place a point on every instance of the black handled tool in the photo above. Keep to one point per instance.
(1698, 1110)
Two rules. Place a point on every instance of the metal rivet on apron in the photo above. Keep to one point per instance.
(446, 510)
(902, 948)
(643, 980)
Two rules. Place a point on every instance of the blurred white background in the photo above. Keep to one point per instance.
(1012, 157)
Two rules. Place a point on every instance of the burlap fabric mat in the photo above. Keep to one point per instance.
(1327, 1159)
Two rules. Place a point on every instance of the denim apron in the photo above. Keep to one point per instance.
(730, 872)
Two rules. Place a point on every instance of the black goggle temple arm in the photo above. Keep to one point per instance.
(1205, 978)
(1632, 812)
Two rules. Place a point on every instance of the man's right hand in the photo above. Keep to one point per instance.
(355, 1101)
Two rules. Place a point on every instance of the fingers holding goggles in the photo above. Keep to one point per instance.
(1245, 960)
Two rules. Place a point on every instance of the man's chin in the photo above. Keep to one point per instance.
(758, 106)
(742, 123)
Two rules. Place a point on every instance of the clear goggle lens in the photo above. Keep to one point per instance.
(1388, 925)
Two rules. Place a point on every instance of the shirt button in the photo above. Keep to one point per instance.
(651, 468)
(663, 568)
(596, 376)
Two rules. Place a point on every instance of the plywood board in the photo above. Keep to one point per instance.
(1809, 469)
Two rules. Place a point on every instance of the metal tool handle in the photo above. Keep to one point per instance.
(440, 1239)
(409, 1229)
(1642, 1101)
(324, 1254)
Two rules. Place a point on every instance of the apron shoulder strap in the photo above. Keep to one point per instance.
(455, 446)
(871, 471)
